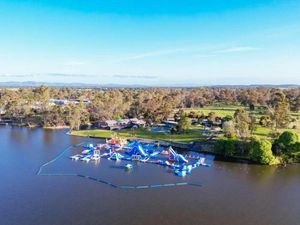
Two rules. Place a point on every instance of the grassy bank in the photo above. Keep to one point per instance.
(191, 135)
(260, 131)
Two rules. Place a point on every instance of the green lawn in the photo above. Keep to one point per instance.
(191, 135)
(220, 111)
(223, 111)
(266, 132)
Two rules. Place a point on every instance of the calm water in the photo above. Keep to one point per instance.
(231, 193)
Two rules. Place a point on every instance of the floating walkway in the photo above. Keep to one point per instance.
(102, 181)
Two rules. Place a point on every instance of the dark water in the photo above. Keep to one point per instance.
(231, 193)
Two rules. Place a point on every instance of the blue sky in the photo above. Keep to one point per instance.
(155, 42)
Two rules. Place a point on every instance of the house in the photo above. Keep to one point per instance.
(121, 124)
(137, 123)
(62, 102)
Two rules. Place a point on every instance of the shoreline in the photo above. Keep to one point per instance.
(181, 147)
(36, 126)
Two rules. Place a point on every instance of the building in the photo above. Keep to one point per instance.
(121, 124)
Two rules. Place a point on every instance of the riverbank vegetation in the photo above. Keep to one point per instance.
(243, 122)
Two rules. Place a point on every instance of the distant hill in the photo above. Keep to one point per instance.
(259, 85)
(14, 84)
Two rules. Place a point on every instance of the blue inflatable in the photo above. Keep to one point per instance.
(137, 150)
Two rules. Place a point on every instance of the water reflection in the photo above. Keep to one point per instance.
(231, 193)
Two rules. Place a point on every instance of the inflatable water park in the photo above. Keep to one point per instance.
(119, 149)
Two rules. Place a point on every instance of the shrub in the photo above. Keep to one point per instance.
(262, 152)
(226, 147)
(295, 147)
(288, 138)
(284, 143)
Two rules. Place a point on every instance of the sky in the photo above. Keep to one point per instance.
(157, 42)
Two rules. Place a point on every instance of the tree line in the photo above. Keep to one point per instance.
(152, 104)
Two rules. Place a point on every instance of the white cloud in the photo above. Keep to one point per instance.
(74, 63)
(238, 49)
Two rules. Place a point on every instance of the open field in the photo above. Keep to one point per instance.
(266, 132)
(229, 110)
(219, 110)
(223, 111)
(191, 135)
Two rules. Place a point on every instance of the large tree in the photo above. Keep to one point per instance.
(184, 123)
(242, 122)
(77, 116)
(279, 111)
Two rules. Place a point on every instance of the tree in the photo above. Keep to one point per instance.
(42, 96)
(242, 121)
(100, 109)
(55, 117)
(261, 152)
(252, 107)
(297, 104)
(211, 117)
(280, 111)
(184, 123)
(252, 124)
(288, 138)
(77, 116)
(229, 129)
(285, 142)
(264, 121)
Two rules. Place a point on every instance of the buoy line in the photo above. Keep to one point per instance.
(100, 180)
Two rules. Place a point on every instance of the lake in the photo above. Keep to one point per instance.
(230, 193)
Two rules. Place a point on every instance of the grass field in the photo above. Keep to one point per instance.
(267, 132)
(220, 111)
(142, 133)
(223, 111)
